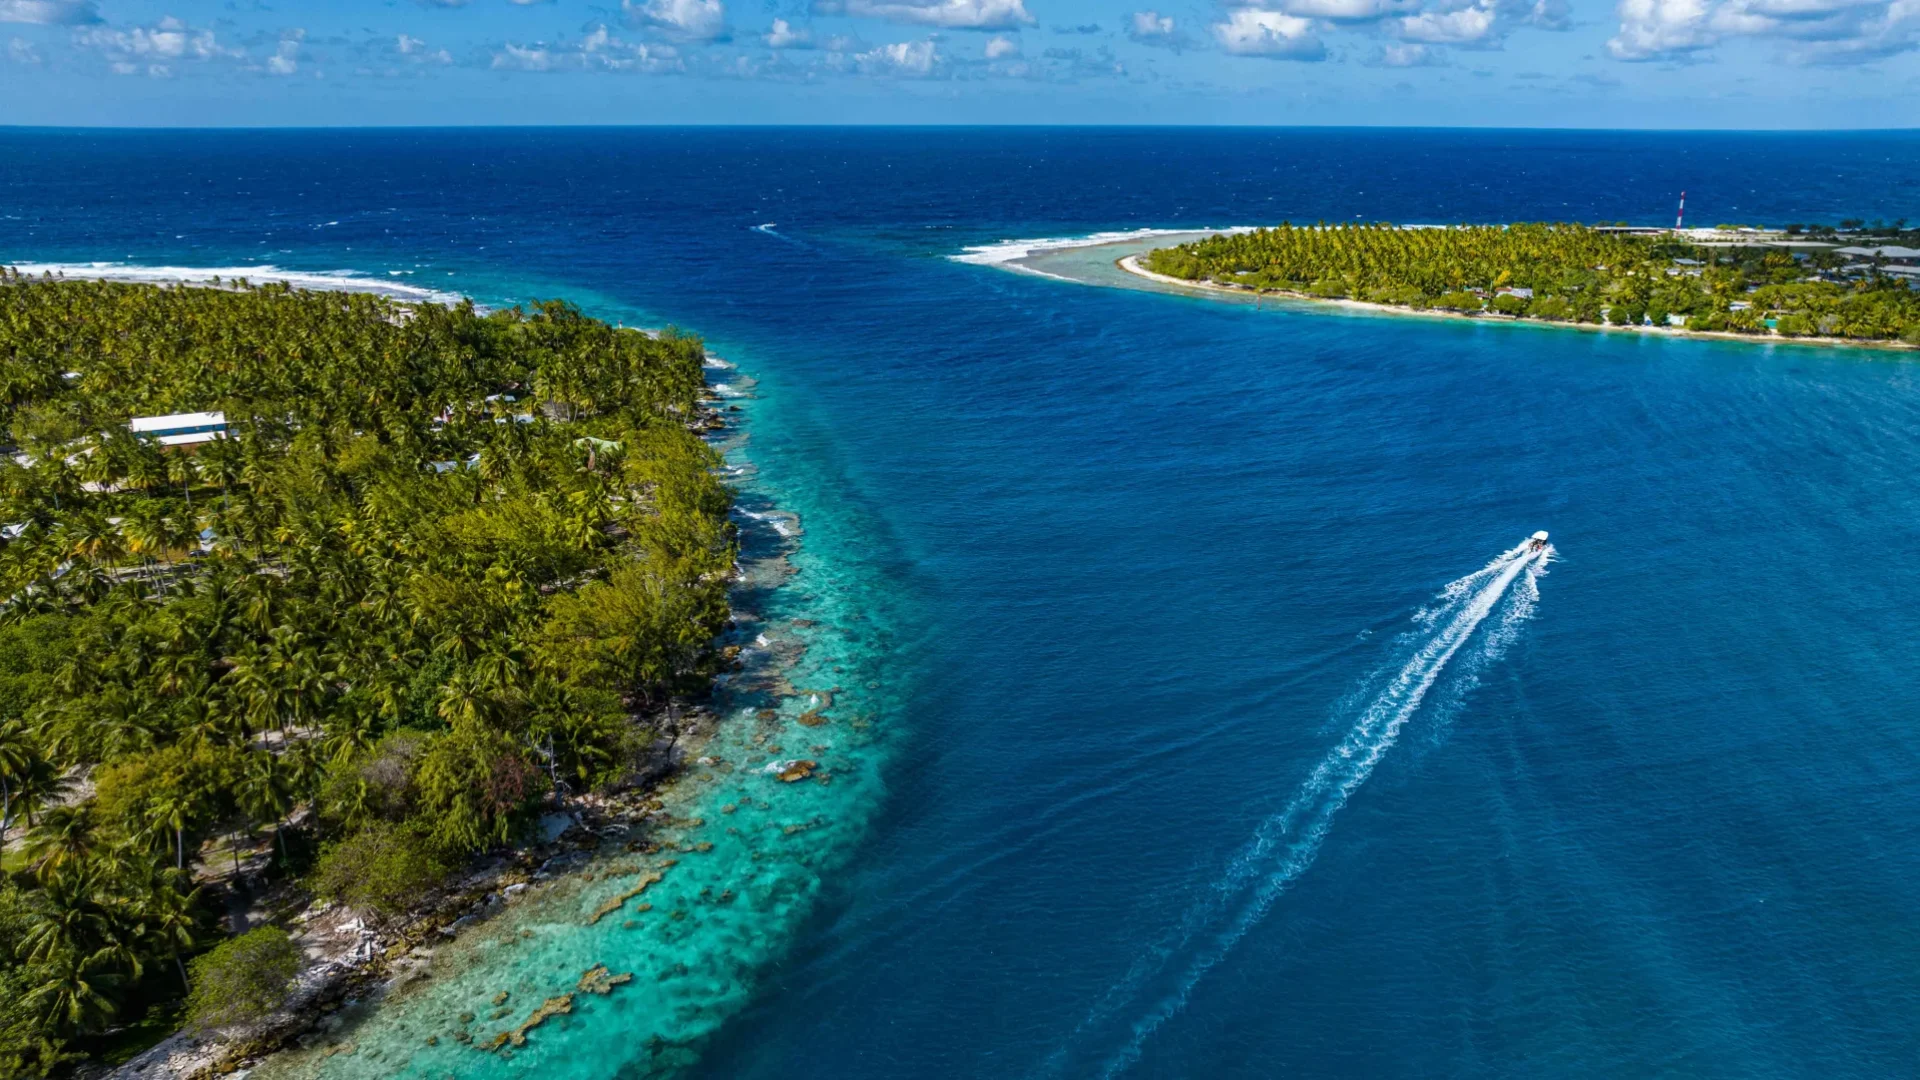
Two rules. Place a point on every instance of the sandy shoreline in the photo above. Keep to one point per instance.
(230, 277)
(1131, 264)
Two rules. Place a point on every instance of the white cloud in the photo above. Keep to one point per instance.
(49, 12)
(1816, 31)
(999, 48)
(1153, 28)
(1462, 26)
(1254, 32)
(598, 51)
(951, 14)
(901, 58)
(693, 20)
(1349, 10)
(1149, 25)
(155, 48)
(404, 49)
(1656, 29)
(21, 51)
(784, 36)
(286, 56)
(1409, 56)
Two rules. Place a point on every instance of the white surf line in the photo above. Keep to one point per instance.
(1309, 814)
(259, 274)
(1004, 252)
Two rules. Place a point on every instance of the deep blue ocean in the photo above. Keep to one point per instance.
(1194, 764)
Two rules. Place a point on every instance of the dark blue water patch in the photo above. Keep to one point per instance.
(1158, 552)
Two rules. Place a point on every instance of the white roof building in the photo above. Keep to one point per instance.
(1884, 251)
(181, 429)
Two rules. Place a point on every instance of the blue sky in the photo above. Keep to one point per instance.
(1534, 63)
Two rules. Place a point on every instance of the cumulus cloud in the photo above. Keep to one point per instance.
(950, 14)
(1661, 29)
(600, 50)
(784, 35)
(1462, 26)
(154, 49)
(419, 52)
(1408, 56)
(286, 55)
(1256, 32)
(21, 51)
(1157, 30)
(1349, 10)
(1815, 31)
(49, 12)
(902, 58)
(691, 20)
(1001, 47)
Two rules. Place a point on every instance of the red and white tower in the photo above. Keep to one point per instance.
(1681, 218)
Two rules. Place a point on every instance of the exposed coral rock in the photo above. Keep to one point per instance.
(617, 902)
(550, 1008)
(598, 980)
(796, 771)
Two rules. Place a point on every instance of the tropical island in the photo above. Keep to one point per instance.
(1805, 282)
(316, 597)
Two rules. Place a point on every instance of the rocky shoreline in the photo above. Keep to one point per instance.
(352, 963)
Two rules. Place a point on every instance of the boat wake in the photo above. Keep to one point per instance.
(1284, 845)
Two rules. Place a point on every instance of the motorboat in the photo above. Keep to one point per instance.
(1538, 542)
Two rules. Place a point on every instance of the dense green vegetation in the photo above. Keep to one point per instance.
(243, 978)
(1575, 274)
(363, 637)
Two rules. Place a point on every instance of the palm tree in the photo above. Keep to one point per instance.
(263, 793)
(64, 838)
(74, 916)
(182, 470)
(19, 754)
(165, 906)
(174, 810)
(73, 997)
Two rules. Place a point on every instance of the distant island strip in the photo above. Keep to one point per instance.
(1861, 288)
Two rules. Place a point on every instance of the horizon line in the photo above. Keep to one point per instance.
(937, 126)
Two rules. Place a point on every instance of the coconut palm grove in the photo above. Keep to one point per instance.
(1569, 273)
(439, 565)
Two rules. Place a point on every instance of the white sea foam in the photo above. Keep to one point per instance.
(333, 280)
(1008, 251)
(1285, 844)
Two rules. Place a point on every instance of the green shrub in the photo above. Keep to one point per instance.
(1458, 301)
(243, 979)
(1796, 326)
(1509, 304)
(1396, 294)
(1549, 307)
(384, 868)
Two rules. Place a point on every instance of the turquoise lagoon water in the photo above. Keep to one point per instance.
(1209, 722)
